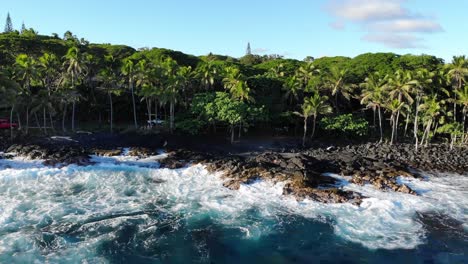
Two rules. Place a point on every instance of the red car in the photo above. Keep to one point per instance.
(5, 124)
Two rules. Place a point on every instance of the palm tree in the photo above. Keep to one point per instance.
(431, 109)
(49, 66)
(292, 88)
(208, 73)
(109, 84)
(457, 72)
(236, 83)
(276, 72)
(424, 79)
(75, 70)
(373, 96)
(9, 90)
(313, 106)
(462, 99)
(130, 72)
(26, 72)
(394, 107)
(305, 73)
(172, 87)
(335, 82)
(400, 86)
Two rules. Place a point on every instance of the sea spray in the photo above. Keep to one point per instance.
(127, 204)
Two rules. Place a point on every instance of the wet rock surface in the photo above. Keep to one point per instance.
(53, 155)
(303, 171)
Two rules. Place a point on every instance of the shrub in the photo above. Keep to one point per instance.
(345, 125)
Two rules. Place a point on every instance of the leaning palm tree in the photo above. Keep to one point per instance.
(130, 72)
(431, 109)
(373, 96)
(335, 82)
(313, 106)
(424, 79)
(400, 86)
(75, 70)
(394, 107)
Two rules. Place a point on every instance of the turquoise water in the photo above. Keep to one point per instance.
(126, 210)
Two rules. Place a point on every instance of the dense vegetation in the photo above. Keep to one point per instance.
(56, 84)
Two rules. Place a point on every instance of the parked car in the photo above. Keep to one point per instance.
(155, 122)
(5, 124)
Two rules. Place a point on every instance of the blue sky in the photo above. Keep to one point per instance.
(293, 28)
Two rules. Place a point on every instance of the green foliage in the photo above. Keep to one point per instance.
(220, 107)
(345, 125)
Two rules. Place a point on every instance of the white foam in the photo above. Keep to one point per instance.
(34, 194)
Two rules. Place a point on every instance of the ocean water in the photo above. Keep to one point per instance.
(127, 210)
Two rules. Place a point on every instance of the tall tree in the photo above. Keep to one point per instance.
(400, 86)
(394, 107)
(130, 72)
(373, 96)
(248, 50)
(208, 72)
(336, 83)
(457, 73)
(313, 106)
(462, 99)
(109, 84)
(8, 24)
(26, 72)
(75, 70)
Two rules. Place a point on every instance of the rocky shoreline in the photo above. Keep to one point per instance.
(304, 171)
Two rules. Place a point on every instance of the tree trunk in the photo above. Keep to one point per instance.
(51, 121)
(171, 115)
(380, 125)
(11, 121)
(373, 110)
(134, 104)
(392, 123)
(45, 120)
(240, 129)
(232, 134)
(156, 111)
(407, 124)
(19, 121)
(111, 113)
(396, 125)
(73, 115)
(64, 115)
(313, 126)
(305, 132)
(27, 120)
(148, 110)
(37, 120)
(416, 125)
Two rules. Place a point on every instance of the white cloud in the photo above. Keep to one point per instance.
(396, 41)
(366, 10)
(407, 25)
(386, 21)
